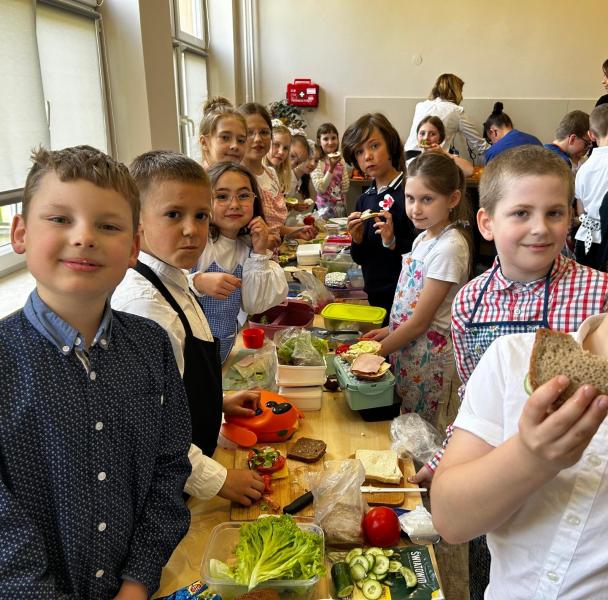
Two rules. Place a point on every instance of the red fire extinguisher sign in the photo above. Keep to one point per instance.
(302, 92)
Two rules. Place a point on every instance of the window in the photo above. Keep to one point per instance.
(190, 61)
(55, 95)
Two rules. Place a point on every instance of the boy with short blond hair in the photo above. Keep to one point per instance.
(591, 190)
(94, 431)
(174, 223)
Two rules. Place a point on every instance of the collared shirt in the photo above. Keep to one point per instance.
(93, 448)
(555, 148)
(137, 295)
(575, 293)
(590, 187)
(511, 140)
(551, 547)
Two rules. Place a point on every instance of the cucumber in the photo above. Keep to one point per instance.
(372, 589)
(382, 576)
(371, 575)
(357, 572)
(359, 583)
(371, 559)
(388, 552)
(360, 560)
(394, 566)
(374, 550)
(381, 566)
(410, 577)
(354, 552)
(340, 575)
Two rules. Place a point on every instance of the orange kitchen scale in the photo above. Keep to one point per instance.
(276, 420)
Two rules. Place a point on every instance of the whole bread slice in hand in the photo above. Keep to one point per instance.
(555, 353)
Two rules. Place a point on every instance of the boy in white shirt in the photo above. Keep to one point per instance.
(176, 202)
(591, 188)
(533, 478)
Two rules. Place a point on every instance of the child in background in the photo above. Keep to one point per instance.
(303, 159)
(95, 428)
(536, 475)
(418, 335)
(431, 135)
(174, 222)
(373, 144)
(259, 131)
(222, 132)
(591, 188)
(278, 155)
(235, 276)
(330, 176)
(572, 138)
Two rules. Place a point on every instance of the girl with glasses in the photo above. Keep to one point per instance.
(234, 276)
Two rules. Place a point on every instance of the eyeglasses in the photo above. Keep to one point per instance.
(263, 133)
(241, 197)
(588, 143)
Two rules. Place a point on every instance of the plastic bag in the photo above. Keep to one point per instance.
(338, 503)
(296, 346)
(313, 290)
(414, 437)
(418, 524)
(252, 369)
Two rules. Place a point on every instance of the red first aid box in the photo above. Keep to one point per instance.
(302, 92)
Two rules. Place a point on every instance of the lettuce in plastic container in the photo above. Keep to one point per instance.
(296, 346)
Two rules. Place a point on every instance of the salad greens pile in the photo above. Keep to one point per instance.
(273, 548)
(298, 347)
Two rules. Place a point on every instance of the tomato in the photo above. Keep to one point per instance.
(265, 460)
(381, 527)
(309, 220)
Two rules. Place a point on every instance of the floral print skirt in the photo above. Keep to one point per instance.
(420, 369)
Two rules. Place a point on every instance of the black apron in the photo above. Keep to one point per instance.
(202, 374)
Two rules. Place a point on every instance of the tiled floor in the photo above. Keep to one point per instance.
(14, 290)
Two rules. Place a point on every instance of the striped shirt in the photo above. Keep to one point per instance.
(575, 293)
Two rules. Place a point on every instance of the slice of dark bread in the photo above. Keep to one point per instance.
(307, 450)
(261, 594)
(556, 353)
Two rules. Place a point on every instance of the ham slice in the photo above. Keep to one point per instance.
(367, 363)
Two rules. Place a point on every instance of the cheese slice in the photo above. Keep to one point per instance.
(380, 465)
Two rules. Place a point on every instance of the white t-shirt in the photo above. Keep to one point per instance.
(455, 120)
(448, 260)
(553, 546)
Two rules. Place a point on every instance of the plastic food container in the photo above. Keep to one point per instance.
(332, 263)
(291, 313)
(308, 254)
(296, 376)
(305, 398)
(361, 395)
(253, 337)
(222, 543)
(339, 316)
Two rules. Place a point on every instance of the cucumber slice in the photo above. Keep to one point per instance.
(388, 552)
(360, 560)
(354, 552)
(357, 572)
(340, 575)
(374, 550)
(359, 583)
(381, 565)
(372, 575)
(410, 577)
(382, 576)
(372, 589)
(394, 566)
(371, 559)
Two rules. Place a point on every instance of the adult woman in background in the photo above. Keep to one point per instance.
(604, 99)
(444, 102)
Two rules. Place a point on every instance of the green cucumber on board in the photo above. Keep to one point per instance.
(372, 589)
(343, 584)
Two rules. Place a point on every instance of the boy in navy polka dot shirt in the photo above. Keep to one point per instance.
(94, 423)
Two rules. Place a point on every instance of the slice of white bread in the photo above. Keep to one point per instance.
(556, 353)
(380, 465)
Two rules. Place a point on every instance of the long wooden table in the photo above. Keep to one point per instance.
(343, 430)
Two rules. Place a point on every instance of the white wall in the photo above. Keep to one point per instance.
(368, 51)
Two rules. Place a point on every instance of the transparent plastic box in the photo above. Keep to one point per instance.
(221, 545)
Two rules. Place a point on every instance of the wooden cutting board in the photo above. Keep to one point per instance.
(285, 490)
(388, 498)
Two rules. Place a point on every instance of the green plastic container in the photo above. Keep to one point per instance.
(343, 316)
(361, 395)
